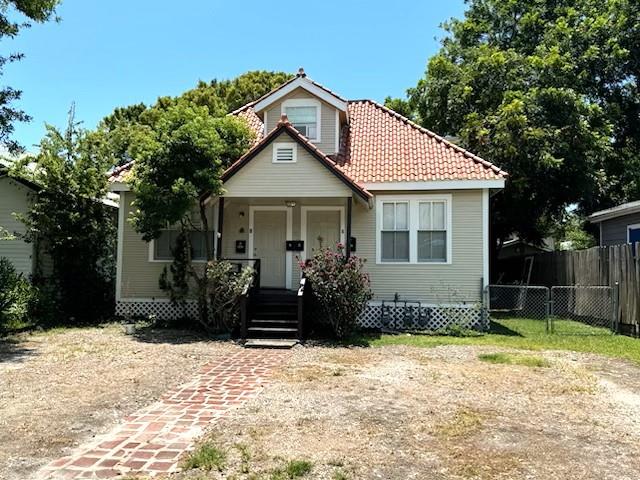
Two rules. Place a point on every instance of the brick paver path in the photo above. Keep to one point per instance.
(151, 440)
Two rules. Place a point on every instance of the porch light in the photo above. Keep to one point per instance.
(290, 203)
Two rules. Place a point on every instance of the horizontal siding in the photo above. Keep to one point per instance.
(614, 231)
(454, 283)
(139, 275)
(14, 198)
(328, 120)
(306, 177)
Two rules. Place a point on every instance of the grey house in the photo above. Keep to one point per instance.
(618, 225)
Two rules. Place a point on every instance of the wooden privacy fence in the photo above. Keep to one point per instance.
(597, 266)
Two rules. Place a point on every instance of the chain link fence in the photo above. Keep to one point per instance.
(573, 310)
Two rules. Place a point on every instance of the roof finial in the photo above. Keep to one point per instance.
(284, 120)
(301, 72)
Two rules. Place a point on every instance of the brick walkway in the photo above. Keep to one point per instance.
(152, 439)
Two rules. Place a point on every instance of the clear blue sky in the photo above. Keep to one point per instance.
(105, 54)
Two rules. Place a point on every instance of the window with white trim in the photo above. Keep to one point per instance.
(284, 153)
(164, 245)
(414, 229)
(432, 231)
(304, 115)
(305, 120)
(395, 232)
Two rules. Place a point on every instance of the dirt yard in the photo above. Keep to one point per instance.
(393, 412)
(60, 388)
(438, 413)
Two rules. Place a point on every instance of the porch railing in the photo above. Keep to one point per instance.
(302, 292)
(252, 285)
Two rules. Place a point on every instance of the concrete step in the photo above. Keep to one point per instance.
(270, 343)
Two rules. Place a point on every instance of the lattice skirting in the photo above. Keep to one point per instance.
(161, 310)
(422, 317)
(375, 316)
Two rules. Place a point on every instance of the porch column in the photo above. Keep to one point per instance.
(220, 223)
(348, 235)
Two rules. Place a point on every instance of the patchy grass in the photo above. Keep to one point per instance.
(293, 469)
(464, 423)
(527, 334)
(206, 457)
(512, 359)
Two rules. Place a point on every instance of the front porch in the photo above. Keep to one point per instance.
(275, 234)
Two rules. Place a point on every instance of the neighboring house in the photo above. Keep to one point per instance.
(324, 170)
(618, 225)
(16, 195)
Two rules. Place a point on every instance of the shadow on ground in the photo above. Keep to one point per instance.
(13, 350)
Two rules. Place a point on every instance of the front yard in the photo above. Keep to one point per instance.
(472, 407)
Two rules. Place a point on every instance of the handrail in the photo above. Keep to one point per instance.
(301, 293)
(252, 283)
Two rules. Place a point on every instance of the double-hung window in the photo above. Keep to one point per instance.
(414, 229)
(395, 232)
(304, 115)
(432, 231)
(165, 244)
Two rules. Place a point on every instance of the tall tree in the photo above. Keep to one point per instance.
(180, 152)
(69, 217)
(219, 97)
(14, 16)
(548, 91)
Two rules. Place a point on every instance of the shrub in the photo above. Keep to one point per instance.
(340, 286)
(18, 298)
(224, 287)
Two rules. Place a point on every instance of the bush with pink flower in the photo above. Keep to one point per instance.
(340, 286)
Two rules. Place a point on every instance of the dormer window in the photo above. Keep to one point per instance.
(304, 115)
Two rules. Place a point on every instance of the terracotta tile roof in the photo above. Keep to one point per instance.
(254, 122)
(381, 145)
(285, 126)
(119, 174)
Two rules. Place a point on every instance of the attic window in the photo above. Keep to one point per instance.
(304, 115)
(284, 153)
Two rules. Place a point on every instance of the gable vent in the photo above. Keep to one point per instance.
(284, 153)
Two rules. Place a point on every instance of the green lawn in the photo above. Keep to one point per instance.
(528, 334)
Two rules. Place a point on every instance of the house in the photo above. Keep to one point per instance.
(325, 169)
(16, 195)
(618, 225)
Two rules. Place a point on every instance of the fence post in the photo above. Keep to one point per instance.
(615, 319)
(549, 310)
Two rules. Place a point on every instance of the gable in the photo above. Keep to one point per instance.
(305, 177)
(329, 119)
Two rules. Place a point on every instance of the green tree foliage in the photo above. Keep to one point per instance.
(14, 16)
(219, 97)
(180, 151)
(69, 219)
(549, 92)
(572, 234)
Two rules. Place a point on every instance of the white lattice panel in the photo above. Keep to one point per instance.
(421, 317)
(159, 310)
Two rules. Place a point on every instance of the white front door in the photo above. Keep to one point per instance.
(269, 245)
(323, 229)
